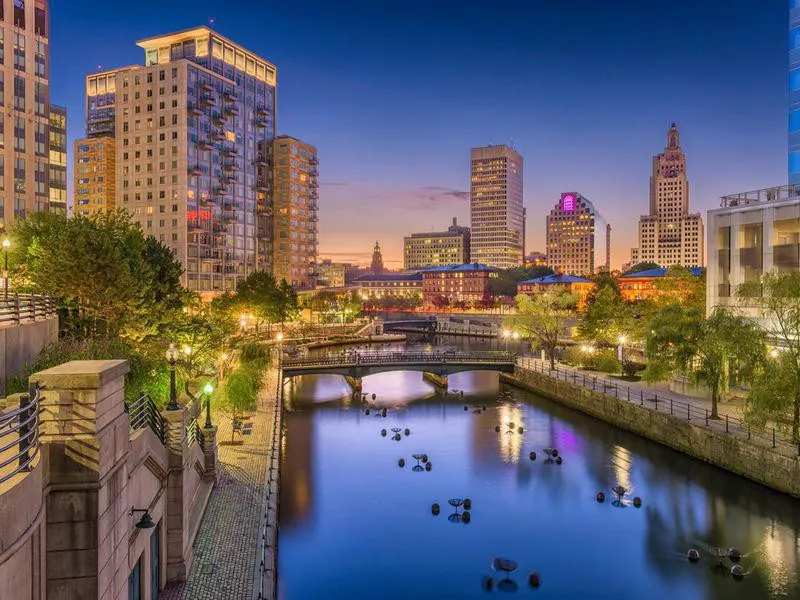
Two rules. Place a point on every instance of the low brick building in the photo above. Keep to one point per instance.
(639, 286)
(577, 285)
(389, 284)
(457, 283)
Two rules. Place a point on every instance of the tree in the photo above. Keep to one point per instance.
(267, 300)
(112, 279)
(680, 285)
(725, 348)
(778, 298)
(505, 284)
(543, 318)
(606, 318)
(642, 266)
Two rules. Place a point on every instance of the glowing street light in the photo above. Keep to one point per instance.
(279, 337)
(774, 353)
(187, 350)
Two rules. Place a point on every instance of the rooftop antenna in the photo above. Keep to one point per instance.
(512, 144)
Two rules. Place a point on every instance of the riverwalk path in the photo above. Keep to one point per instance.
(228, 547)
(660, 398)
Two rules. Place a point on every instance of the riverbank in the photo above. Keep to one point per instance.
(383, 338)
(742, 452)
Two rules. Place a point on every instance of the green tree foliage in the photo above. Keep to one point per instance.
(642, 266)
(393, 303)
(543, 318)
(335, 308)
(505, 284)
(110, 278)
(778, 389)
(723, 349)
(606, 318)
(268, 301)
(205, 329)
(680, 285)
(240, 389)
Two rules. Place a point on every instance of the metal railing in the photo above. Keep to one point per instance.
(143, 413)
(194, 435)
(19, 435)
(773, 194)
(352, 358)
(23, 308)
(666, 402)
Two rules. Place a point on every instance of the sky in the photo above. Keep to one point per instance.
(394, 95)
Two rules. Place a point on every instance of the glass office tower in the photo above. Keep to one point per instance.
(794, 91)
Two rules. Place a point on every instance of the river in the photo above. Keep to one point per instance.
(355, 525)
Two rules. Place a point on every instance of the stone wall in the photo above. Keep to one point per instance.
(66, 527)
(726, 451)
(20, 346)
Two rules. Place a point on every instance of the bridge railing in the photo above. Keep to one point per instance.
(383, 358)
(19, 435)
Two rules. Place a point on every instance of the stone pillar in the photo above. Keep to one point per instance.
(179, 555)
(439, 381)
(354, 383)
(84, 444)
(210, 468)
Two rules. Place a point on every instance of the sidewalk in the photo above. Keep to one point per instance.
(224, 564)
(660, 398)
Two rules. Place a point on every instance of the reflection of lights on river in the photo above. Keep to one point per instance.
(779, 548)
(621, 461)
(510, 442)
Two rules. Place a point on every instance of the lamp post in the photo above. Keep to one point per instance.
(621, 353)
(172, 359)
(506, 334)
(6, 244)
(207, 391)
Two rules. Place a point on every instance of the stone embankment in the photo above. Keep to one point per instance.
(760, 459)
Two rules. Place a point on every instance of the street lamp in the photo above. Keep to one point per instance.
(279, 337)
(505, 333)
(621, 354)
(6, 245)
(773, 353)
(207, 391)
(172, 359)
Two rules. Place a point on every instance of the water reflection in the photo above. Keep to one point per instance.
(356, 525)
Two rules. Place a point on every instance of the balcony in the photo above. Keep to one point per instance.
(230, 151)
(229, 167)
(229, 97)
(205, 145)
(206, 87)
(194, 170)
(261, 186)
(261, 123)
(194, 110)
(218, 134)
(261, 161)
(231, 111)
(217, 119)
(263, 111)
(208, 101)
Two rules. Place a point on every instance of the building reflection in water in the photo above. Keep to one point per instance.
(297, 477)
(509, 438)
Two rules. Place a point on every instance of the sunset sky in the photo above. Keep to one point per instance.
(395, 94)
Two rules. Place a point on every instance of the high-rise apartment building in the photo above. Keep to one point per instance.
(192, 130)
(295, 206)
(496, 213)
(578, 238)
(25, 108)
(95, 176)
(794, 91)
(58, 160)
(670, 235)
(437, 249)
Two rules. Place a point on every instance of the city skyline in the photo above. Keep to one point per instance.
(597, 134)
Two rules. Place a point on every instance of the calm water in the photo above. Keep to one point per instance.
(354, 525)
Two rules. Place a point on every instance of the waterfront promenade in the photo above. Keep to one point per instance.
(227, 551)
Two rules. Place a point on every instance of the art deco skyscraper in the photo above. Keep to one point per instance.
(670, 235)
(24, 108)
(191, 130)
(496, 212)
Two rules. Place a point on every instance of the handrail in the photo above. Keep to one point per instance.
(22, 308)
(770, 438)
(194, 435)
(352, 358)
(143, 413)
(19, 428)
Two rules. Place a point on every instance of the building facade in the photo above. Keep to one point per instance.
(58, 160)
(457, 283)
(376, 267)
(751, 234)
(296, 214)
(496, 212)
(25, 109)
(576, 285)
(794, 91)
(669, 234)
(578, 238)
(95, 176)
(437, 249)
(398, 285)
(640, 285)
(193, 130)
(331, 274)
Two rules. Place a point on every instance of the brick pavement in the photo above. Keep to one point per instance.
(224, 563)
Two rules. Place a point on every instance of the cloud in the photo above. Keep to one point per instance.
(348, 194)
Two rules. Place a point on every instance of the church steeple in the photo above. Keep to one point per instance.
(377, 260)
(673, 138)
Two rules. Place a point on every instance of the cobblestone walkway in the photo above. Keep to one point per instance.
(224, 565)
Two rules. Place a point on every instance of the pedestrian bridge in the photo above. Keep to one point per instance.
(435, 365)
(423, 324)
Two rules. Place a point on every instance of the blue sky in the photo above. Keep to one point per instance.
(395, 94)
